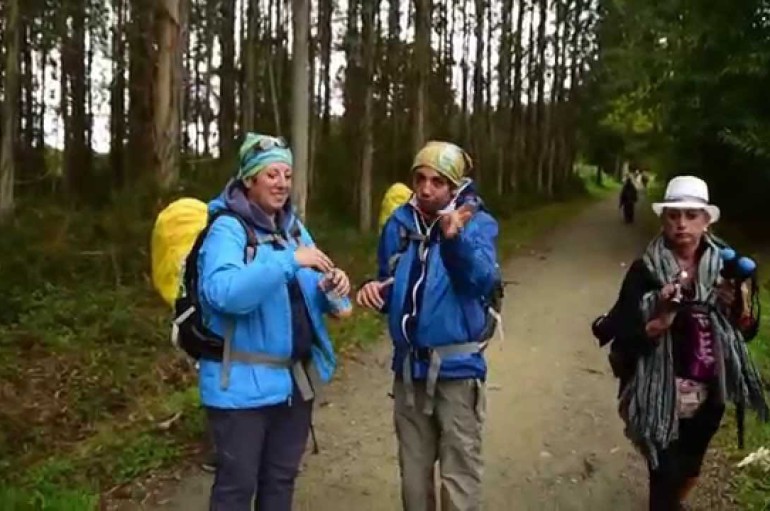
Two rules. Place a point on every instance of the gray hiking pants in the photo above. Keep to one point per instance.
(450, 436)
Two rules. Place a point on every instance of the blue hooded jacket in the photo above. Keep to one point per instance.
(257, 296)
(437, 297)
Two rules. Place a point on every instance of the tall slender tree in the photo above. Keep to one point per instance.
(9, 110)
(422, 65)
(300, 103)
(167, 92)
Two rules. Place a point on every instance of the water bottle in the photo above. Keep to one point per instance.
(340, 305)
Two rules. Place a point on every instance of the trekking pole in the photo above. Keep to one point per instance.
(315, 442)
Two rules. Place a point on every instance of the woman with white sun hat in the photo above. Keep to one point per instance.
(682, 350)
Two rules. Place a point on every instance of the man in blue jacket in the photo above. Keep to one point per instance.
(437, 266)
(268, 304)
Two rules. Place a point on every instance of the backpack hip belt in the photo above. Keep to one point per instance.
(304, 373)
(437, 354)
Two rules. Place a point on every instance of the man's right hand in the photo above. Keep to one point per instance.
(311, 257)
(370, 295)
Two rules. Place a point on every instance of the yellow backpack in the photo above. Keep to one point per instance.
(173, 235)
(397, 195)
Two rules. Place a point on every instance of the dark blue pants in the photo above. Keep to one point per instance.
(258, 451)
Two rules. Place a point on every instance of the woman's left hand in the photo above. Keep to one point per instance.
(338, 281)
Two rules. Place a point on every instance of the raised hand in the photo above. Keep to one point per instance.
(311, 257)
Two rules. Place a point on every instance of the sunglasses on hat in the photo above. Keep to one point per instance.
(264, 144)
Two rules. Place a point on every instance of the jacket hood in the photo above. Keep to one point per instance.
(233, 198)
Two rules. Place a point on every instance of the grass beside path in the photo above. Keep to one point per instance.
(93, 394)
(750, 486)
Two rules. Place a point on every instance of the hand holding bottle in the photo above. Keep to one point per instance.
(336, 286)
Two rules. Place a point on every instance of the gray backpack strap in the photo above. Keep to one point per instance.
(305, 374)
(224, 375)
(308, 379)
(315, 379)
(405, 237)
(244, 357)
(272, 238)
(436, 356)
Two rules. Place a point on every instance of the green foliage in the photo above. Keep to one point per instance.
(682, 87)
(46, 499)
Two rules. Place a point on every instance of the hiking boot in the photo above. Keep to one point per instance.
(209, 464)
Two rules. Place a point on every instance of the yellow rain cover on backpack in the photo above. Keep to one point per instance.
(396, 195)
(173, 235)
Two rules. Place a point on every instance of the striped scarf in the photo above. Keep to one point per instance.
(649, 401)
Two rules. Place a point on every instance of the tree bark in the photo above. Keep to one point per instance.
(422, 13)
(167, 91)
(250, 54)
(117, 95)
(10, 112)
(77, 152)
(140, 88)
(540, 118)
(26, 140)
(464, 67)
(300, 103)
(393, 84)
(478, 91)
(516, 107)
(367, 160)
(504, 91)
(325, 38)
(529, 127)
(227, 78)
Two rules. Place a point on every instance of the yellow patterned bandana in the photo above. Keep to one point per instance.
(445, 158)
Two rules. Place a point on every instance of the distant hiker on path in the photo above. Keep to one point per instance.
(437, 268)
(263, 287)
(628, 197)
(680, 352)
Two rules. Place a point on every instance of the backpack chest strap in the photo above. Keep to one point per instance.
(405, 238)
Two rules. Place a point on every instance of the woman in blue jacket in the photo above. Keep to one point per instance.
(268, 303)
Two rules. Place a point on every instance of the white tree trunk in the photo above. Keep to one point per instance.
(423, 11)
(300, 100)
(10, 112)
(365, 188)
(167, 94)
(252, 80)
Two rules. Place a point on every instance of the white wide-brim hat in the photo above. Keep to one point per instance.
(687, 192)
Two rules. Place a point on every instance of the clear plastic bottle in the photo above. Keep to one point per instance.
(341, 306)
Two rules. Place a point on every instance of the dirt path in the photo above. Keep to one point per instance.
(553, 440)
